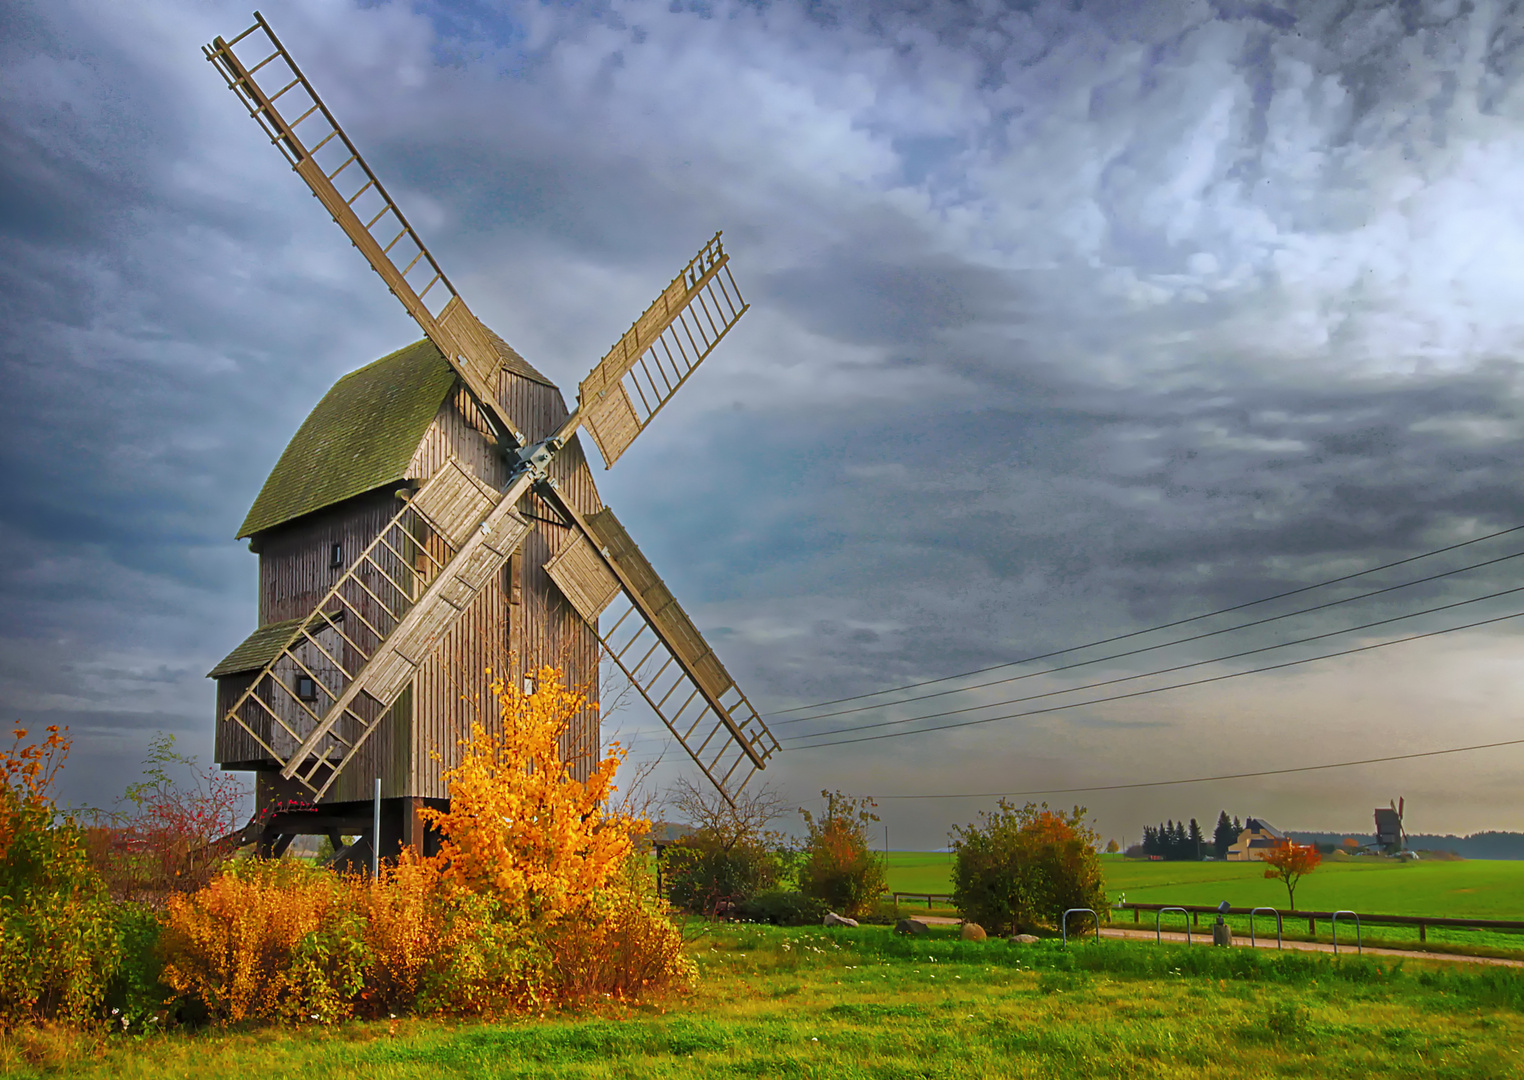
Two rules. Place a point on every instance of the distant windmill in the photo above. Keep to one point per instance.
(435, 513)
(1390, 836)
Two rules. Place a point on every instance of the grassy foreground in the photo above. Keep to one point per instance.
(865, 1004)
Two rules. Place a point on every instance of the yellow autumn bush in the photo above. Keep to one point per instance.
(403, 915)
(267, 939)
(532, 900)
(622, 944)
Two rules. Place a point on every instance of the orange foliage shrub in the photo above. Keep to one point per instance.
(840, 867)
(624, 945)
(520, 828)
(1023, 866)
(523, 907)
(265, 940)
(402, 912)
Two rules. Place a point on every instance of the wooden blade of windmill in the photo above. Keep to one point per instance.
(323, 155)
(345, 664)
(660, 651)
(639, 375)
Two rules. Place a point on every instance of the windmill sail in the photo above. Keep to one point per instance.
(662, 653)
(659, 351)
(345, 664)
(322, 155)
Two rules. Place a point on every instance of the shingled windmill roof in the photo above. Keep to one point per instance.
(362, 435)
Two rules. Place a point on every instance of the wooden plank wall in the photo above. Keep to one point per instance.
(452, 689)
(294, 560)
(419, 741)
(232, 748)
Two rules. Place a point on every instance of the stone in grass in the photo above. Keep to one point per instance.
(1022, 939)
(833, 919)
(910, 926)
(972, 931)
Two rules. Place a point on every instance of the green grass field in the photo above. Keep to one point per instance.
(1463, 889)
(865, 1005)
(1473, 889)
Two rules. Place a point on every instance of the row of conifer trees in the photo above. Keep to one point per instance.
(1184, 841)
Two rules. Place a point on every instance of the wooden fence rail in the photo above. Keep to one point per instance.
(927, 896)
(1423, 922)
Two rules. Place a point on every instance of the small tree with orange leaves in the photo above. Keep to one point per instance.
(840, 866)
(58, 940)
(1290, 862)
(520, 828)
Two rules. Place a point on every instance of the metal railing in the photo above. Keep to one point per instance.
(1159, 914)
(1255, 911)
(1359, 948)
(1064, 925)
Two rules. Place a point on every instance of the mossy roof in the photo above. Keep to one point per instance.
(363, 433)
(256, 650)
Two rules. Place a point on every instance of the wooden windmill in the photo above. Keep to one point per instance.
(435, 513)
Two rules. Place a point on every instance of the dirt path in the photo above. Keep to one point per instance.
(1204, 937)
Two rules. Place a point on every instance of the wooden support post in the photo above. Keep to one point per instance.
(1134, 914)
(412, 825)
(1312, 926)
(1423, 932)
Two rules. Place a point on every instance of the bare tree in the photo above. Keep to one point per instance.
(706, 810)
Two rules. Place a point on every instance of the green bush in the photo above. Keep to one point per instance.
(136, 1000)
(58, 936)
(707, 876)
(839, 867)
(1020, 868)
(782, 907)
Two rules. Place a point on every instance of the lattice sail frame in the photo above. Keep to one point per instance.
(321, 153)
(662, 653)
(363, 642)
(660, 350)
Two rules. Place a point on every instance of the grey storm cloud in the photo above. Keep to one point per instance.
(1067, 320)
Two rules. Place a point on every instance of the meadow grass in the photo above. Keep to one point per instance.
(1470, 889)
(1464, 889)
(866, 1004)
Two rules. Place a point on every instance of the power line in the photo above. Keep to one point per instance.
(1146, 648)
(1160, 671)
(1209, 779)
(1152, 629)
(1162, 689)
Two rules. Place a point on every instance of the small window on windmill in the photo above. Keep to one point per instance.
(336, 556)
(306, 688)
(528, 684)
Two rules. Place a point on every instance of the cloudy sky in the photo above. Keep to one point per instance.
(1069, 320)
